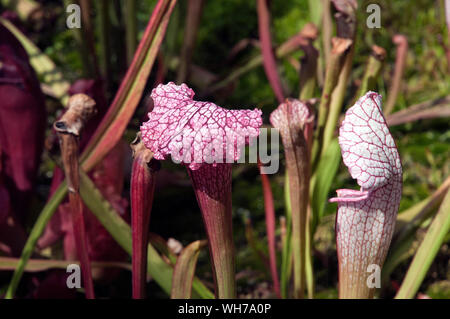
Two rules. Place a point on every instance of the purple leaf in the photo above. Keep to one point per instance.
(22, 122)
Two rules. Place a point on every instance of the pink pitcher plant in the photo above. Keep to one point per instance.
(207, 139)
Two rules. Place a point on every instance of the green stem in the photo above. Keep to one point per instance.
(286, 254)
(327, 29)
(45, 68)
(337, 100)
(337, 56)
(345, 28)
(408, 222)
(309, 270)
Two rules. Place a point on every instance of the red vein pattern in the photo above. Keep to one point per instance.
(292, 112)
(366, 218)
(195, 132)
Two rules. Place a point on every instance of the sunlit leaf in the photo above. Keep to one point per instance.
(427, 251)
(47, 71)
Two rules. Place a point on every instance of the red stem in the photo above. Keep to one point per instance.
(80, 109)
(193, 16)
(266, 47)
(142, 191)
(270, 228)
(400, 61)
(79, 232)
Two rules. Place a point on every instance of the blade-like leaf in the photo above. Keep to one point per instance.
(130, 91)
(112, 126)
(408, 222)
(286, 253)
(315, 11)
(428, 249)
(322, 180)
(269, 61)
(184, 271)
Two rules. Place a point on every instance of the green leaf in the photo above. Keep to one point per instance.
(315, 11)
(286, 254)
(35, 234)
(397, 254)
(408, 222)
(427, 251)
(43, 65)
(184, 270)
(322, 180)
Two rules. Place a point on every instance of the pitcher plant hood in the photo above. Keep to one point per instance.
(194, 132)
